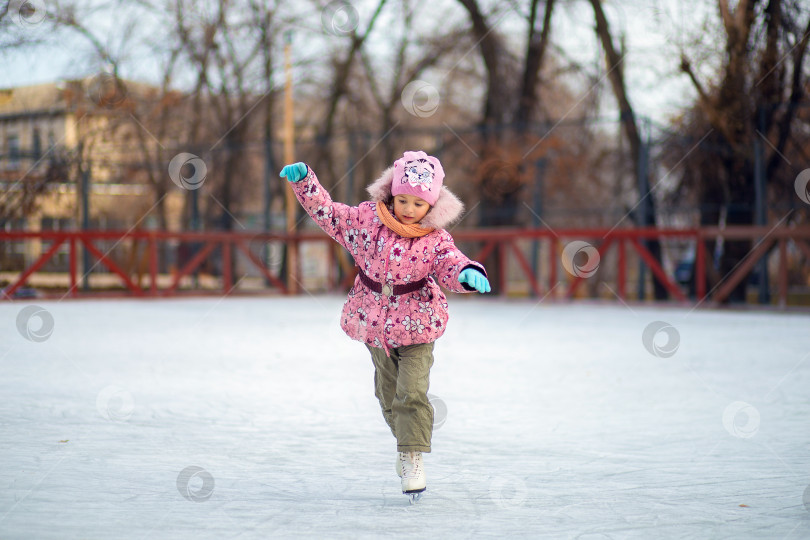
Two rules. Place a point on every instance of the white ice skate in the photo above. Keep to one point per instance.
(412, 471)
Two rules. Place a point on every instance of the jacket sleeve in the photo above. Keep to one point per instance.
(333, 217)
(449, 262)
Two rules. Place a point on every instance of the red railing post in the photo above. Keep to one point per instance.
(783, 272)
(700, 266)
(153, 265)
(72, 264)
(552, 262)
(295, 273)
(527, 269)
(227, 277)
(622, 271)
(502, 267)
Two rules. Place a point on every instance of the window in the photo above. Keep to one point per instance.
(13, 143)
(36, 145)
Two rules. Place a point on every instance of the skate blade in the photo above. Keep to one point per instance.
(414, 496)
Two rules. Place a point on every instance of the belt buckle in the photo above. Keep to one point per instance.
(387, 289)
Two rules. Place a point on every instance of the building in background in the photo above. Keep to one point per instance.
(53, 134)
(67, 147)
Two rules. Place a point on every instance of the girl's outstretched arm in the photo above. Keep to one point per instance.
(333, 217)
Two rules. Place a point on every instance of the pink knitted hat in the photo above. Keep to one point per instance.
(419, 174)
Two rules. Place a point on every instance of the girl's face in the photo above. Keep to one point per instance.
(410, 209)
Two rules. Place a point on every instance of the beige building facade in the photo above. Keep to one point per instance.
(51, 137)
(52, 133)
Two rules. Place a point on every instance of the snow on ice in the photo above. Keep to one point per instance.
(255, 418)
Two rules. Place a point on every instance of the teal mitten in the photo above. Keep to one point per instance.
(474, 279)
(294, 172)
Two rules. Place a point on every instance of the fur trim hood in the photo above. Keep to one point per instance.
(445, 212)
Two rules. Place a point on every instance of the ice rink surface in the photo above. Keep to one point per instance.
(255, 418)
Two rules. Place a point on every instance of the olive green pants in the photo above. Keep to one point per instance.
(401, 383)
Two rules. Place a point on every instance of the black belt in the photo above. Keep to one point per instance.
(391, 290)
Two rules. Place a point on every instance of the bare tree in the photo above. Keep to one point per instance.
(24, 27)
(128, 108)
(342, 65)
(405, 68)
(536, 46)
(228, 52)
(511, 99)
(754, 101)
(645, 210)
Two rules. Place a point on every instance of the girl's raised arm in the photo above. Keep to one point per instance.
(333, 217)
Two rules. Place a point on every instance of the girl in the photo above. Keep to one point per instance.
(396, 306)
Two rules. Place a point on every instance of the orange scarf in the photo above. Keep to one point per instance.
(406, 231)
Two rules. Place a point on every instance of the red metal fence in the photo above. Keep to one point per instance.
(500, 247)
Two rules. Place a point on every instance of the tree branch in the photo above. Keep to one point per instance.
(535, 55)
(725, 16)
(339, 87)
(705, 102)
(628, 118)
(489, 46)
(796, 95)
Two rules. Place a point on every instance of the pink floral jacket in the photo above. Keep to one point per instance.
(391, 321)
